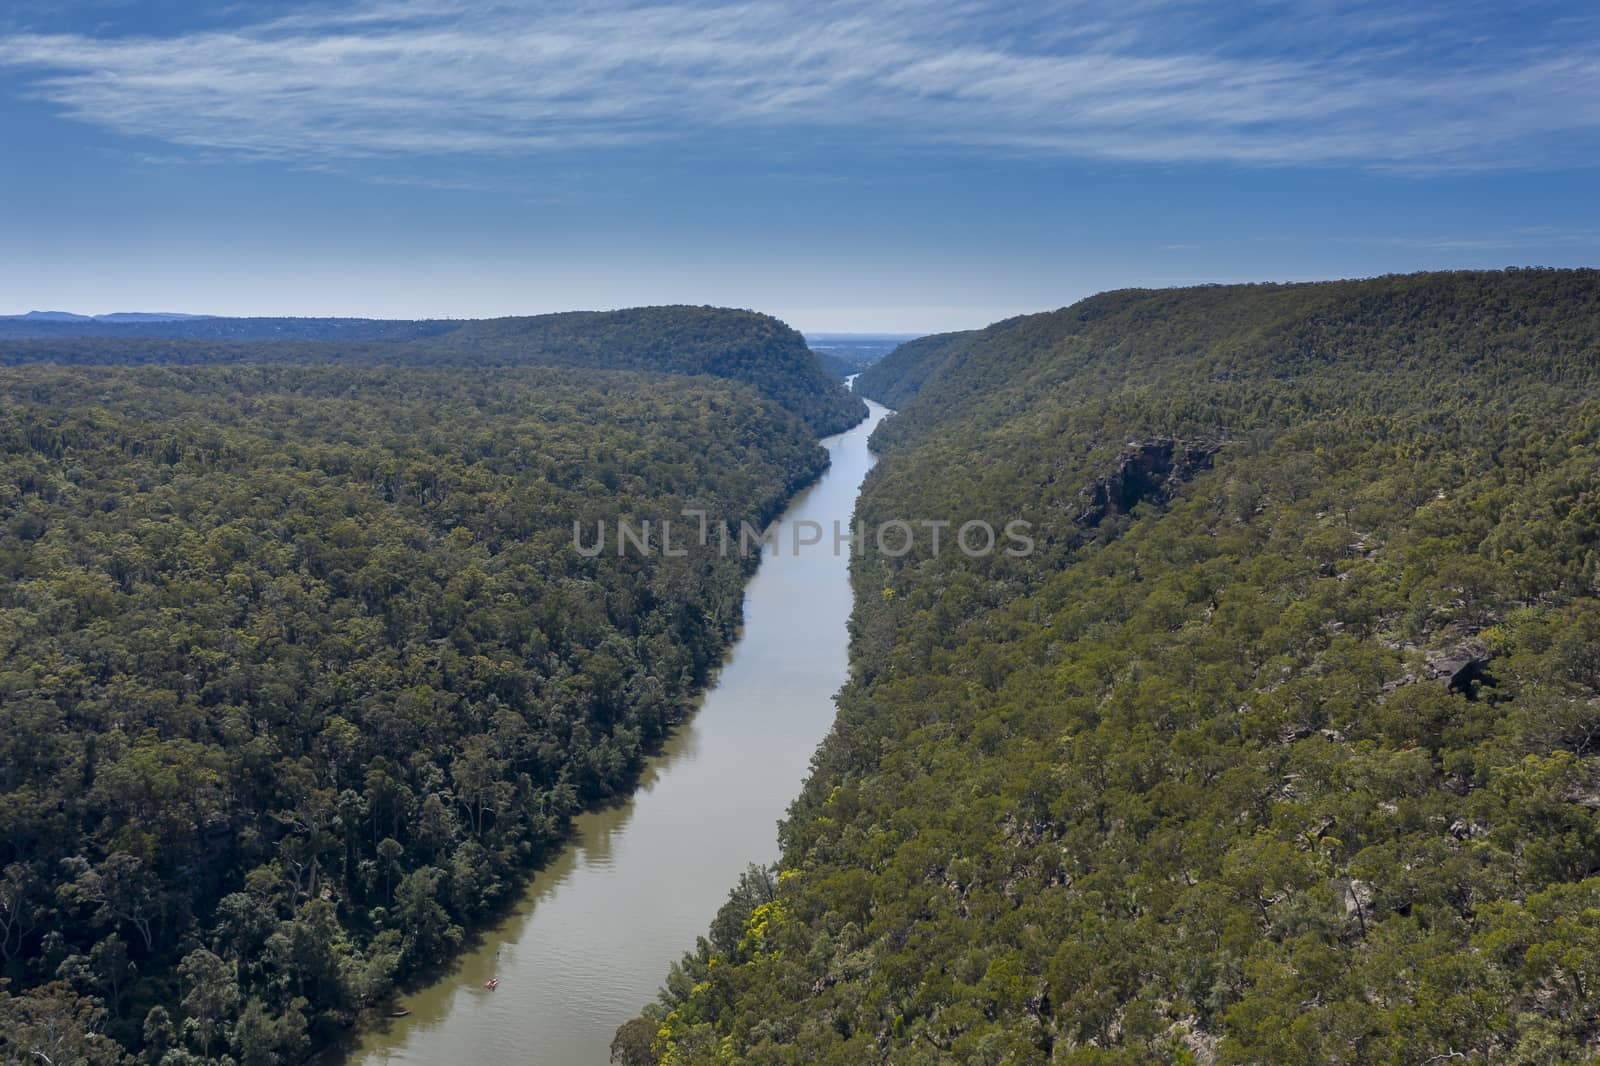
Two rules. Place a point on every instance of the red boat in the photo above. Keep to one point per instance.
(492, 983)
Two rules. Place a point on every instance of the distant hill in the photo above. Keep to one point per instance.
(118, 316)
(844, 354)
(1462, 322)
(738, 345)
(741, 345)
(59, 325)
(147, 316)
(894, 379)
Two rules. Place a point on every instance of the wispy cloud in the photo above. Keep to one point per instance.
(1276, 82)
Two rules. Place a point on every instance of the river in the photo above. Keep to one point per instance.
(591, 940)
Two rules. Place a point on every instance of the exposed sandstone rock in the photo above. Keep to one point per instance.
(1461, 668)
(1147, 471)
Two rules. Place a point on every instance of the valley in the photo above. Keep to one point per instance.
(1277, 743)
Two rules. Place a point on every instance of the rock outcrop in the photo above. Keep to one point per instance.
(1462, 668)
(1149, 471)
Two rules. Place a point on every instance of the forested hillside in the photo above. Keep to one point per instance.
(208, 327)
(741, 345)
(896, 378)
(1283, 747)
(716, 342)
(301, 674)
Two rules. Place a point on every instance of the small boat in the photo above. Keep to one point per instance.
(399, 1012)
(492, 983)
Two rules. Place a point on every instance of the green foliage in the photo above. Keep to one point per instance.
(835, 366)
(50, 1023)
(300, 673)
(739, 345)
(1188, 785)
(896, 378)
(714, 342)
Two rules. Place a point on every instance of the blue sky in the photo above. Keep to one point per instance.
(900, 166)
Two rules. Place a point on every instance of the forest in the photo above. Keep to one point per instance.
(898, 376)
(1284, 746)
(209, 327)
(302, 677)
(716, 342)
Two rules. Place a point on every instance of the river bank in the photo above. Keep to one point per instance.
(597, 928)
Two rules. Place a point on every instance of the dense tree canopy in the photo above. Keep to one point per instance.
(742, 345)
(716, 342)
(300, 672)
(896, 378)
(1287, 754)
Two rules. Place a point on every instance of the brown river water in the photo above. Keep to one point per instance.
(591, 939)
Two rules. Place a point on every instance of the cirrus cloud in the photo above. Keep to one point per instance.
(1299, 82)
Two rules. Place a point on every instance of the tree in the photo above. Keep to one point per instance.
(479, 782)
(425, 922)
(159, 1033)
(120, 889)
(55, 1026)
(390, 852)
(260, 1039)
(211, 994)
(632, 1044)
(19, 908)
(308, 950)
(112, 969)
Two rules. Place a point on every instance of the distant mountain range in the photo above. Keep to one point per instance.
(119, 316)
(45, 325)
(842, 354)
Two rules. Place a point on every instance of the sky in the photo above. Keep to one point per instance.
(900, 166)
